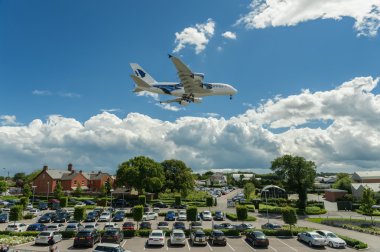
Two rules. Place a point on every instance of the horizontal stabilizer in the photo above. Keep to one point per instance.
(139, 82)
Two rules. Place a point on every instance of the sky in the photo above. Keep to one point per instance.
(307, 76)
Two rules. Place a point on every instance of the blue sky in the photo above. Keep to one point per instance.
(68, 61)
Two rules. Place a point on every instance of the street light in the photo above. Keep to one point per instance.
(34, 189)
(123, 195)
(111, 206)
(266, 202)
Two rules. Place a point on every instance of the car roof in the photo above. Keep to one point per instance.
(178, 231)
(217, 231)
(110, 245)
(199, 231)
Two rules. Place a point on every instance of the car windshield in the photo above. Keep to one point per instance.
(196, 224)
(110, 232)
(44, 234)
(84, 234)
(331, 235)
(218, 234)
(128, 224)
(260, 235)
(12, 226)
(163, 224)
(316, 236)
(156, 234)
(71, 226)
(178, 234)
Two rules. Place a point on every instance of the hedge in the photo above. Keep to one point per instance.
(233, 217)
(26, 233)
(354, 243)
(314, 210)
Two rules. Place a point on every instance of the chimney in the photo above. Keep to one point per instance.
(99, 172)
(70, 167)
(45, 168)
(80, 171)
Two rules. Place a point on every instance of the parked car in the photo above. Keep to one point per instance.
(332, 239)
(47, 217)
(257, 238)
(120, 203)
(35, 212)
(243, 226)
(206, 215)
(80, 204)
(150, 216)
(156, 237)
(224, 226)
(91, 225)
(111, 225)
(160, 205)
(128, 226)
(109, 247)
(219, 215)
(177, 237)
(4, 218)
(48, 237)
(74, 227)
(163, 225)
(16, 227)
(36, 227)
(86, 237)
(105, 216)
(89, 203)
(269, 225)
(119, 216)
(29, 206)
(170, 216)
(182, 206)
(218, 237)
(62, 217)
(55, 227)
(113, 236)
(91, 217)
(179, 225)
(145, 225)
(195, 225)
(312, 239)
(182, 216)
(198, 237)
(43, 206)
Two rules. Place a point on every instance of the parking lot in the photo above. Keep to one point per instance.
(233, 244)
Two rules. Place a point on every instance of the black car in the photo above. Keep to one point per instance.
(120, 203)
(179, 225)
(113, 236)
(257, 238)
(160, 205)
(43, 206)
(47, 218)
(89, 202)
(4, 218)
(36, 227)
(219, 215)
(91, 217)
(62, 217)
(182, 206)
(86, 237)
(218, 237)
(145, 225)
(119, 216)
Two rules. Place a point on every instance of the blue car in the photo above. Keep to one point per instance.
(170, 216)
(36, 227)
(4, 218)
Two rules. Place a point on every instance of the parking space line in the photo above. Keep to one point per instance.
(124, 244)
(230, 247)
(246, 244)
(272, 248)
(287, 245)
(188, 246)
(209, 246)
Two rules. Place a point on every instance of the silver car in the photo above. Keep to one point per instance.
(45, 236)
(312, 239)
(332, 239)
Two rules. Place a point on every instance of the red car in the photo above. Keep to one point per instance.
(129, 226)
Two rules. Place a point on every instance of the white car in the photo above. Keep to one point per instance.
(80, 204)
(45, 236)
(16, 227)
(35, 212)
(29, 206)
(74, 227)
(156, 209)
(105, 216)
(156, 237)
(150, 216)
(177, 237)
(182, 216)
(312, 239)
(332, 239)
(91, 225)
(111, 225)
(55, 227)
(206, 215)
(109, 247)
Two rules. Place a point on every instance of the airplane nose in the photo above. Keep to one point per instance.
(234, 90)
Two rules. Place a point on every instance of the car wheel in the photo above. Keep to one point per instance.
(92, 244)
(330, 244)
(310, 244)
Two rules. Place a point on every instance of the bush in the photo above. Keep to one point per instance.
(241, 212)
(102, 202)
(191, 213)
(233, 217)
(314, 210)
(27, 233)
(63, 201)
(251, 208)
(129, 233)
(142, 200)
(144, 232)
(138, 212)
(68, 234)
(28, 216)
(79, 213)
(15, 213)
(177, 200)
(354, 243)
(24, 201)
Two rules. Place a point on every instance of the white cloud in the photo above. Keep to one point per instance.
(41, 92)
(229, 35)
(156, 98)
(198, 36)
(273, 13)
(339, 129)
(70, 95)
(8, 120)
(111, 110)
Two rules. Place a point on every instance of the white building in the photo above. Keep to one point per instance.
(358, 188)
(242, 176)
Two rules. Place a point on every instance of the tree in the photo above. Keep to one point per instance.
(78, 191)
(249, 188)
(241, 212)
(209, 201)
(107, 186)
(27, 190)
(154, 185)
(3, 186)
(138, 172)
(16, 213)
(24, 201)
(178, 177)
(191, 213)
(142, 200)
(289, 216)
(79, 213)
(19, 179)
(138, 212)
(63, 201)
(177, 200)
(58, 191)
(298, 175)
(343, 182)
(368, 200)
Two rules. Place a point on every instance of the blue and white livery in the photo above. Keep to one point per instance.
(190, 89)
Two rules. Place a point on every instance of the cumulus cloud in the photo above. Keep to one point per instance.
(273, 13)
(8, 120)
(229, 35)
(198, 36)
(339, 129)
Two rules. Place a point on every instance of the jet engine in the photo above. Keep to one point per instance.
(198, 76)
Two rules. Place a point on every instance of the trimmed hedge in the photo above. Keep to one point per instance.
(233, 217)
(354, 243)
(314, 210)
(26, 233)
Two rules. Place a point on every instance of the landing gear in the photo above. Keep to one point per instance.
(230, 97)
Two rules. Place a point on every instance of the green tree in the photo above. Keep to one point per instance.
(138, 212)
(79, 213)
(63, 201)
(103, 191)
(16, 213)
(368, 200)
(19, 179)
(209, 201)
(142, 200)
(154, 185)
(241, 212)
(289, 216)
(178, 177)
(3, 186)
(177, 200)
(249, 188)
(137, 172)
(27, 190)
(24, 201)
(58, 191)
(343, 182)
(78, 191)
(298, 175)
(191, 213)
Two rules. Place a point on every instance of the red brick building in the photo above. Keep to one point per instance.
(47, 180)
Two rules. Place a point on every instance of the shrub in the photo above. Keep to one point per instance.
(209, 201)
(241, 212)
(177, 200)
(138, 212)
(28, 216)
(63, 201)
(191, 213)
(79, 213)
(15, 213)
(354, 243)
(142, 200)
(68, 234)
(314, 210)
(24, 202)
(144, 232)
(27, 233)
(251, 208)
(129, 233)
(233, 217)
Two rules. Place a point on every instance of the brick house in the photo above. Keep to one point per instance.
(366, 177)
(47, 180)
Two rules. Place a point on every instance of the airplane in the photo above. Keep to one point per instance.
(190, 89)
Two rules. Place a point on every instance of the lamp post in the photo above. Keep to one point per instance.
(34, 189)
(111, 206)
(123, 195)
(266, 202)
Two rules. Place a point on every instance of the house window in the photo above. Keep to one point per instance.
(75, 182)
(82, 182)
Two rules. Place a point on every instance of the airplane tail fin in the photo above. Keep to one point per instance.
(140, 72)
(141, 84)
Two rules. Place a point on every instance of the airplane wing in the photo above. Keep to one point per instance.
(191, 85)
